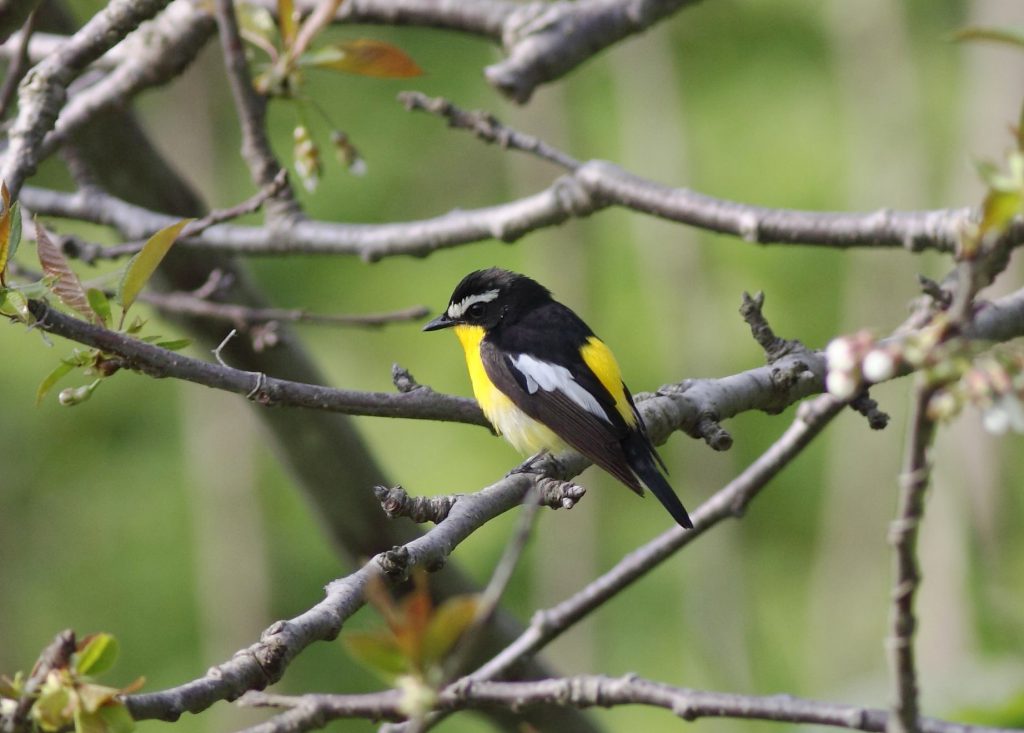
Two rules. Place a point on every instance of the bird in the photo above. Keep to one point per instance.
(546, 382)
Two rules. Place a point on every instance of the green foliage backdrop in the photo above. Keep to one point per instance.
(157, 512)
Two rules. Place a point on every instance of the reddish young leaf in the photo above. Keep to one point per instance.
(10, 230)
(447, 625)
(365, 57)
(67, 286)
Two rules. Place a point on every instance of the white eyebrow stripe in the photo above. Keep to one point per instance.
(551, 377)
(455, 310)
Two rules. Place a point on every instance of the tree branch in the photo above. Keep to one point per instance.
(421, 403)
(152, 56)
(309, 712)
(730, 501)
(906, 575)
(252, 110)
(243, 316)
(44, 89)
(588, 187)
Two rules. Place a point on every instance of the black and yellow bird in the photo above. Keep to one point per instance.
(546, 382)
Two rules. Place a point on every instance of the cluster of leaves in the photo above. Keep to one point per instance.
(68, 696)
(287, 45)
(91, 303)
(411, 652)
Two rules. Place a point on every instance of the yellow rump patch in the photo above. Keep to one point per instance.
(602, 362)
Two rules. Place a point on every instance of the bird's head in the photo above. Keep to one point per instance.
(485, 298)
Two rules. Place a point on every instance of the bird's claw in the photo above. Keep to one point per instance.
(533, 464)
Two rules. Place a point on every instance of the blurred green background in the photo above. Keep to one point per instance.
(157, 510)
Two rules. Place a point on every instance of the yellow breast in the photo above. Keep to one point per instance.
(524, 433)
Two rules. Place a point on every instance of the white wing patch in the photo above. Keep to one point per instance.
(455, 310)
(552, 377)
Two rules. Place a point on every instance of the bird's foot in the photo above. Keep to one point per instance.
(533, 464)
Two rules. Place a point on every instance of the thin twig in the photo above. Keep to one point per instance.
(243, 316)
(487, 127)
(906, 575)
(18, 64)
(252, 109)
(491, 596)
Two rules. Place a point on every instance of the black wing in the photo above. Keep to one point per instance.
(598, 438)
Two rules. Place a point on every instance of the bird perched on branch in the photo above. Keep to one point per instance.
(546, 382)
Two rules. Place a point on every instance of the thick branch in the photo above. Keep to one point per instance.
(151, 57)
(596, 185)
(43, 91)
(545, 41)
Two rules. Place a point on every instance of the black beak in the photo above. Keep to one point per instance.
(442, 321)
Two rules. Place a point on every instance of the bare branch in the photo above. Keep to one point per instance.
(19, 62)
(730, 501)
(690, 406)
(487, 127)
(152, 56)
(372, 242)
(906, 576)
(15, 14)
(252, 110)
(44, 89)
(545, 41)
(264, 662)
(243, 316)
(309, 712)
(156, 362)
(594, 186)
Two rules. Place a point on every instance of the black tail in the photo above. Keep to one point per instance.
(641, 458)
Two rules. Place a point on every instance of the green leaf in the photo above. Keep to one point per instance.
(377, 651)
(117, 719)
(256, 21)
(365, 57)
(449, 622)
(97, 654)
(106, 719)
(17, 306)
(92, 697)
(52, 710)
(137, 324)
(66, 284)
(11, 689)
(15, 233)
(287, 20)
(51, 379)
(100, 304)
(174, 344)
(997, 210)
(1013, 36)
(144, 264)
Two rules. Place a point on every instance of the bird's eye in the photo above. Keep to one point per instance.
(476, 310)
